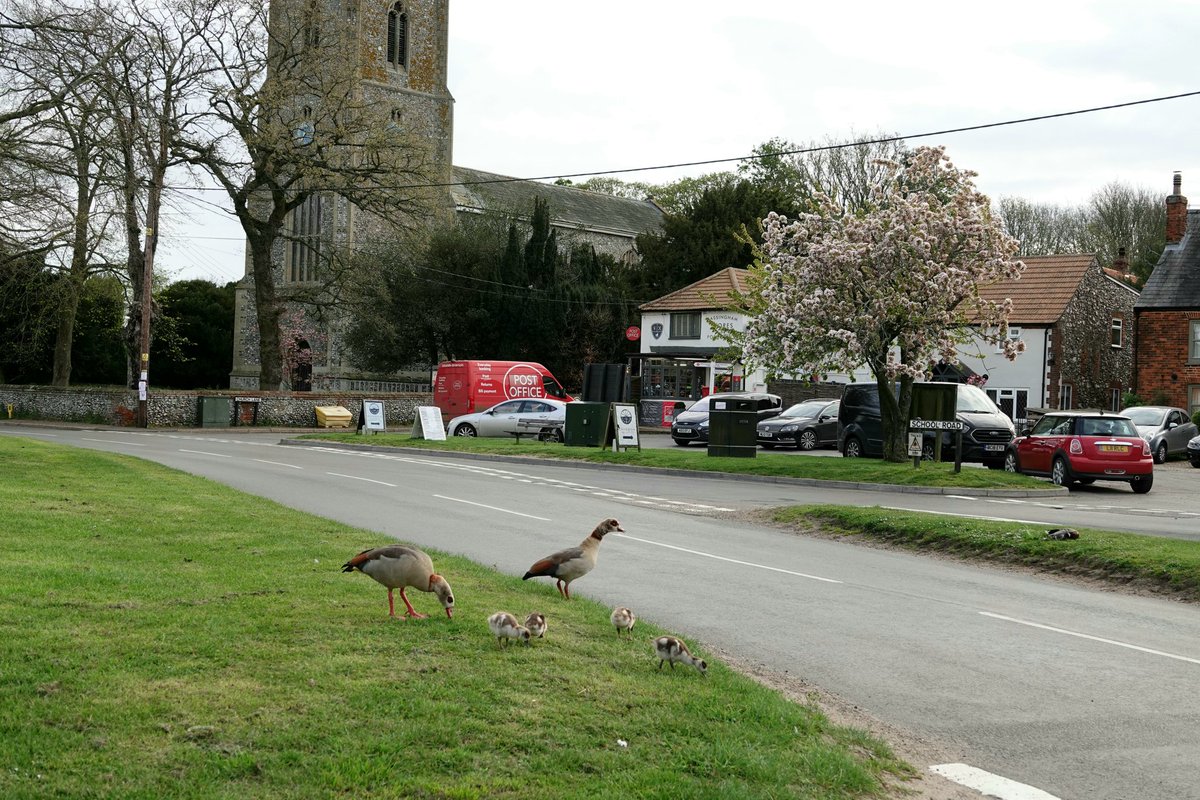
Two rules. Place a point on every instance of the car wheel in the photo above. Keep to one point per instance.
(852, 448)
(552, 435)
(466, 429)
(1196, 463)
(1010, 462)
(1160, 453)
(768, 446)
(1060, 473)
(681, 442)
(927, 453)
(807, 440)
(1142, 485)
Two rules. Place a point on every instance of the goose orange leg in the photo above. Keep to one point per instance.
(412, 612)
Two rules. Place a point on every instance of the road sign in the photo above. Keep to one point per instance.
(914, 444)
(935, 425)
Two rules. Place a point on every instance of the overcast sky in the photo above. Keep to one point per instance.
(553, 87)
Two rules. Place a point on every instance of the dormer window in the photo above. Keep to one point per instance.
(397, 33)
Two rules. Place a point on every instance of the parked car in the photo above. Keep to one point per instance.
(1084, 446)
(509, 416)
(805, 426)
(1167, 429)
(692, 425)
(987, 431)
(1193, 452)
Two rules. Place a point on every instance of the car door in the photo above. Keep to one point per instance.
(1036, 449)
(1179, 436)
(827, 423)
(501, 419)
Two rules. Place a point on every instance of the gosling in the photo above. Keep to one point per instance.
(668, 648)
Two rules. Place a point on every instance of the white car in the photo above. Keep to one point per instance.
(512, 416)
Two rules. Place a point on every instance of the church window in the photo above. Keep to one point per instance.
(304, 241)
(397, 37)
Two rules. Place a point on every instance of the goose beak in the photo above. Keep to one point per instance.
(449, 613)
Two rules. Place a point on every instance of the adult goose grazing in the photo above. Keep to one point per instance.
(574, 562)
(398, 566)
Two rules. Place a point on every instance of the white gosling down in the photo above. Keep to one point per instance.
(623, 620)
(670, 649)
(505, 626)
(536, 623)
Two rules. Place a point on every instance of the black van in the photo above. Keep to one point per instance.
(986, 429)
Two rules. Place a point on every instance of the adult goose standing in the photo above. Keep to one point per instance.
(574, 562)
(398, 566)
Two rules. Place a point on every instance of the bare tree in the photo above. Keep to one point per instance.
(285, 120)
(1041, 228)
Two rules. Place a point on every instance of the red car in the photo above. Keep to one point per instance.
(1084, 446)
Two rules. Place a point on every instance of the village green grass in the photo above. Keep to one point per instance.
(1157, 564)
(779, 465)
(162, 635)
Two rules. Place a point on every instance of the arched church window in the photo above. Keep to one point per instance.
(397, 33)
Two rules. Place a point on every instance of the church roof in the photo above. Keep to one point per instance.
(476, 190)
(1041, 294)
(713, 292)
(1175, 281)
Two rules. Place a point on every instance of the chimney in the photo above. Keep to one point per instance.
(1176, 213)
(1121, 262)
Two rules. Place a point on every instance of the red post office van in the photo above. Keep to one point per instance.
(464, 387)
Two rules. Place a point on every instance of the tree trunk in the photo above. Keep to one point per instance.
(893, 413)
(268, 312)
(65, 336)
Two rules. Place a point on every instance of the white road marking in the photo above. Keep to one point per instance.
(972, 516)
(356, 478)
(1093, 638)
(203, 453)
(490, 508)
(989, 784)
(276, 463)
(730, 560)
(112, 441)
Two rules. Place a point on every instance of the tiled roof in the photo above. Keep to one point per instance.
(1042, 292)
(1175, 281)
(709, 293)
(569, 207)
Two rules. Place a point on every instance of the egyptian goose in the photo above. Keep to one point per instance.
(668, 648)
(505, 626)
(537, 625)
(574, 562)
(397, 566)
(622, 619)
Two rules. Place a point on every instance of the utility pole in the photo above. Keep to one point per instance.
(152, 204)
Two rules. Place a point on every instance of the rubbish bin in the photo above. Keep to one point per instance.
(214, 412)
(733, 427)
(333, 416)
(586, 424)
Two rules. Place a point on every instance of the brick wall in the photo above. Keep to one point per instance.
(1162, 364)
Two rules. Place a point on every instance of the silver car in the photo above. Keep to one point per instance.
(511, 416)
(1167, 429)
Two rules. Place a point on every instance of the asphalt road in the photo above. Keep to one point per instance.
(1078, 692)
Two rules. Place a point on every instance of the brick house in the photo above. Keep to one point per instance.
(1077, 321)
(1167, 315)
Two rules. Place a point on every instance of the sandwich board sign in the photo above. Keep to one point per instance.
(428, 424)
(371, 417)
(625, 426)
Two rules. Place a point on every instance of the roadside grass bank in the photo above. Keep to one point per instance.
(1168, 567)
(162, 635)
(859, 470)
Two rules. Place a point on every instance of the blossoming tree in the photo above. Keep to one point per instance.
(891, 287)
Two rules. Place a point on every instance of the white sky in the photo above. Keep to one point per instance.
(552, 87)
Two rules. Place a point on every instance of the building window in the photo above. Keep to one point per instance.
(1193, 398)
(397, 37)
(1118, 331)
(1014, 335)
(303, 252)
(1114, 398)
(685, 326)
(1194, 348)
(1065, 399)
(1013, 402)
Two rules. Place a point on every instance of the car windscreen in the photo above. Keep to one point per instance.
(807, 409)
(700, 405)
(1145, 416)
(971, 399)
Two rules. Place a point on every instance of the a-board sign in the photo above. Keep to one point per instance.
(625, 423)
(428, 424)
(372, 416)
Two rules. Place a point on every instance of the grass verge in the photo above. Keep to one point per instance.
(164, 636)
(858, 470)
(1153, 563)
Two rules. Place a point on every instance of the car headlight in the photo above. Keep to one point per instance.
(1147, 436)
(789, 429)
(703, 425)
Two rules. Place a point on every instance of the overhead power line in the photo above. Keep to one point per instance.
(797, 151)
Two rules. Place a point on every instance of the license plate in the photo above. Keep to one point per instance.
(993, 448)
(683, 429)
(766, 434)
(1113, 448)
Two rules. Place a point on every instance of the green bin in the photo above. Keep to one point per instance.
(733, 427)
(215, 412)
(586, 424)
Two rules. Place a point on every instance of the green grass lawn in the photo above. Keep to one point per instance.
(860, 470)
(164, 636)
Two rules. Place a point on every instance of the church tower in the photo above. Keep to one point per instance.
(403, 56)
